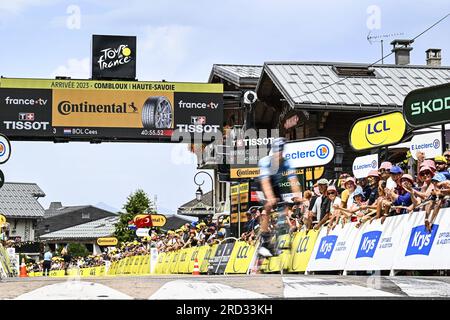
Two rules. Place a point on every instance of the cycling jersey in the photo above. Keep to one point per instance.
(278, 174)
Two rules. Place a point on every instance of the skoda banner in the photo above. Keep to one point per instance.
(427, 106)
(66, 110)
(430, 144)
(309, 153)
(363, 165)
(377, 131)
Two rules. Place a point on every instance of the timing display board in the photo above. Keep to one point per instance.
(87, 110)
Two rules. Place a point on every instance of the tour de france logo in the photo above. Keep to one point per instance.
(112, 57)
(322, 151)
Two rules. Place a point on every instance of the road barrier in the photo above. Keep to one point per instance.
(400, 243)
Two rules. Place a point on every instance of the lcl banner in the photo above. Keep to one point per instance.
(309, 153)
(34, 109)
(427, 106)
(377, 131)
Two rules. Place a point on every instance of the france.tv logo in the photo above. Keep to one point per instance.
(420, 241)
(368, 244)
(326, 247)
(322, 151)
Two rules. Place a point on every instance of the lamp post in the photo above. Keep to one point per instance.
(338, 158)
(199, 192)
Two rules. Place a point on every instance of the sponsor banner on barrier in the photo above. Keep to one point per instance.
(423, 250)
(376, 244)
(222, 256)
(240, 258)
(301, 250)
(210, 252)
(331, 250)
(363, 165)
(430, 144)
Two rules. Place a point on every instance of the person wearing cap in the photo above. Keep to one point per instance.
(441, 166)
(394, 180)
(426, 173)
(402, 198)
(374, 179)
(384, 170)
(359, 211)
(272, 169)
(335, 203)
(321, 208)
(436, 200)
(347, 194)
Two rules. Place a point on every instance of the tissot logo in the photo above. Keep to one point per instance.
(112, 57)
(23, 116)
(66, 107)
(198, 120)
(197, 105)
(25, 101)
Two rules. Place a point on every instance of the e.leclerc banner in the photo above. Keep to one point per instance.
(309, 152)
(363, 165)
(377, 131)
(430, 144)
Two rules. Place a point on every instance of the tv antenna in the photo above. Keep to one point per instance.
(380, 38)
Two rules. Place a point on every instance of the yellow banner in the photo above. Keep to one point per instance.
(111, 241)
(121, 86)
(301, 250)
(240, 258)
(160, 263)
(145, 265)
(183, 262)
(247, 173)
(242, 188)
(381, 130)
(280, 262)
(209, 254)
(101, 108)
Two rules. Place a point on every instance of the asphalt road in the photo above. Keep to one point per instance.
(226, 287)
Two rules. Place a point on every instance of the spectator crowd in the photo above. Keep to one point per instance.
(388, 191)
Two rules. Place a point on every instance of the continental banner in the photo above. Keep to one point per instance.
(108, 110)
(240, 258)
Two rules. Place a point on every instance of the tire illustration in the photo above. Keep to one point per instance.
(157, 113)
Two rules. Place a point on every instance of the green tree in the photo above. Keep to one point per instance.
(77, 250)
(137, 203)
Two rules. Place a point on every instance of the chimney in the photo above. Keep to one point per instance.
(55, 205)
(402, 48)
(433, 57)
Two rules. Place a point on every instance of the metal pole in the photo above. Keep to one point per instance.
(239, 209)
(382, 54)
(444, 145)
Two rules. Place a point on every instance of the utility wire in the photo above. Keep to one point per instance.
(370, 65)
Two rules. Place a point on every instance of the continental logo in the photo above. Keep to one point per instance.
(66, 108)
(377, 131)
(244, 173)
(107, 241)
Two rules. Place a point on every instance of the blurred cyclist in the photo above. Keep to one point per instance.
(274, 170)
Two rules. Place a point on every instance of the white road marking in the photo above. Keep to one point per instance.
(422, 287)
(316, 287)
(182, 289)
(74, 290)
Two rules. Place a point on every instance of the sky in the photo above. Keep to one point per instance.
(180, 41)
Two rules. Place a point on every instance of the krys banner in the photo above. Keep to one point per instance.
(108, 110)
(377, 131)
